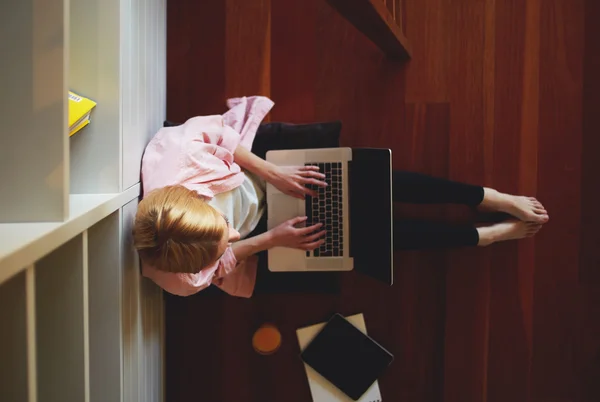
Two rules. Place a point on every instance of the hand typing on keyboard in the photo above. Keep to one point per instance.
(294, 180)
(288, 234)
(327, 208)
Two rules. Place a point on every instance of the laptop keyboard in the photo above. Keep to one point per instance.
(327, 209)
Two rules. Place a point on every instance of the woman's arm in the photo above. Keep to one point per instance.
(245, 248)
(284, 235)
(291, 180)
(253, 163)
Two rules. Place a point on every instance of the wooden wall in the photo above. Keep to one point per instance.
(500, 92)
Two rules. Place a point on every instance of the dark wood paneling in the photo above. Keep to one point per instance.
(247, 47)
(195, 58)
(399, 15)
(208, 62)
(428, 72)
(373, 86)
(498, 92)
(390, 5)
(509, 319)
(590, 198)
(588, 353)
(374, 20)
(293, 62)
(556, 291)
(420, 292)
(468, 277)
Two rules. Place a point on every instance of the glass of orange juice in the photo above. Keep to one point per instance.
(266, 339)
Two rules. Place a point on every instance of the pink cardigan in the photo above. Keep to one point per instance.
(199, 155)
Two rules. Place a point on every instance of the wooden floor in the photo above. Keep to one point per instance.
(499, 92)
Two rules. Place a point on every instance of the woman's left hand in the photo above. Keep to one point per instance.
(292, 180)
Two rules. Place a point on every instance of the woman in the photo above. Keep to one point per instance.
(192, 226)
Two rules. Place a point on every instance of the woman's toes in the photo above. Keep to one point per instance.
(533, 229)
(538, 218)
(543, 218)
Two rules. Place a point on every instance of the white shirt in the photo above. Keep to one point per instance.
(244, 205)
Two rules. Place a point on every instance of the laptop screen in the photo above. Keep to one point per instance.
(371, 216)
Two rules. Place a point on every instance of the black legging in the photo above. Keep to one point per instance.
(416, 188)
(408, 187)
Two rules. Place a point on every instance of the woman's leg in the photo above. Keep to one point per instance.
(416, 188)
(420, 235)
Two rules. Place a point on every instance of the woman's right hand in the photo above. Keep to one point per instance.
(303, 238)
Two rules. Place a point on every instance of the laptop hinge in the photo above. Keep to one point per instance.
(350, 197)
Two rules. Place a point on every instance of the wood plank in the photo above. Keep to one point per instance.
(588, 359)
(588, 345)
(556, 290)
(356, 85)
(419, 285)
(248, 48)
(294, 60)
(420, 292)
(390, 4)
(428, 28)
(195, 58)
(399, 15)
(590, 197)
(510, 312)
(372, 18)
(468, 277)
(529, 168)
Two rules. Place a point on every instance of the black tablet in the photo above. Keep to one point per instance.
(346, 357)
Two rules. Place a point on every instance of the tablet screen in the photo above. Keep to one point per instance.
(346, 357)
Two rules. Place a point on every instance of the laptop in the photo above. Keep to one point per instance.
(355, 208)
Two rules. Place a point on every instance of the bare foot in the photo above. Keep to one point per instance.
(527, 209)
(509, 230)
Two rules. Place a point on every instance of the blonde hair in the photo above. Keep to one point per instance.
(177, 231)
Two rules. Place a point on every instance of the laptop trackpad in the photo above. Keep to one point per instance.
(282, 208)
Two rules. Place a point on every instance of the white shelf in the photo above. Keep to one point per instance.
(104, 274)
(13, 340)
(143, 72)
(33, 144)
(21, 244)
(94, 72)
(143, 323)
(61, 333)
(77, 320)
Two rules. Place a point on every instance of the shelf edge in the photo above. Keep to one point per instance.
(50, 236)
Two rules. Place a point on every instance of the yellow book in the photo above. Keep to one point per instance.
(79, 109)
(79, 126)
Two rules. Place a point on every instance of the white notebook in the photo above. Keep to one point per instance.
(321, 389)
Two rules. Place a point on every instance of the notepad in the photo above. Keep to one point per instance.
(321, 389)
